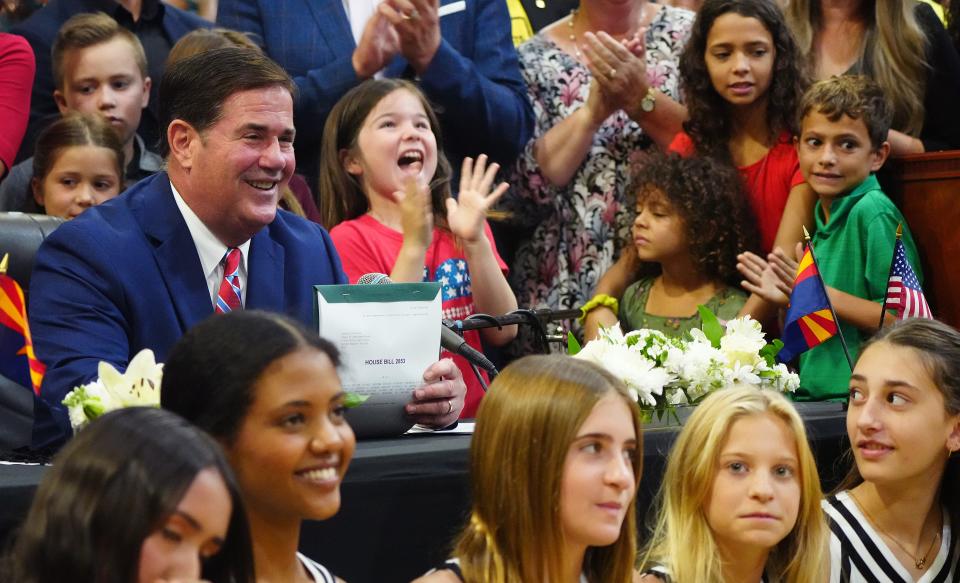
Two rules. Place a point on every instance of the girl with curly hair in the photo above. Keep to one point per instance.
(691, 222)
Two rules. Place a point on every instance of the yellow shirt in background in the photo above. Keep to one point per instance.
(936, 8)
(520, 23)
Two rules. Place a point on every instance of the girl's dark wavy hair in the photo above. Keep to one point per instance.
(112, 486)
(708, 195)
(709, 125)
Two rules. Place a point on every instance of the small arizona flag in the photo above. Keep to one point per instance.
(809, 319)
(17, 360)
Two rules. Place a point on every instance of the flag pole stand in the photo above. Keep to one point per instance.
(883, 309)
(843, 342)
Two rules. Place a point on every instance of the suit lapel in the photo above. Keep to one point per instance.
(332, 23)
(265, 283)
(175, 252)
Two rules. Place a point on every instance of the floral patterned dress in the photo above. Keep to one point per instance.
(577, 230)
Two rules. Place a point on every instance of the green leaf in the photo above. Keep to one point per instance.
(573, 347)
(352, 400)
(770, 351)
(712, 328)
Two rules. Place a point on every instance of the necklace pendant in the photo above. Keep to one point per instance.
(921, 562)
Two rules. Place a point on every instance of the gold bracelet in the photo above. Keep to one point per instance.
(597, 301)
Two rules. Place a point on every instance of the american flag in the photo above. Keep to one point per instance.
(903, 289)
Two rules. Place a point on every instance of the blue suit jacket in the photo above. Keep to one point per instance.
(125, 276)
(41, 30)
(474, 78)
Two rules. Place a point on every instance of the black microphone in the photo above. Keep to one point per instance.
(449, 339)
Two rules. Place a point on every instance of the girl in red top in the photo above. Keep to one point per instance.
(742, 81)
(385, 196)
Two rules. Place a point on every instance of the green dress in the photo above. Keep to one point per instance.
(726, 304)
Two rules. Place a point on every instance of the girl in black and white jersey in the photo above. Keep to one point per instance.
(892, 518)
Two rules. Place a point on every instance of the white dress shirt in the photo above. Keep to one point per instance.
(211, 251)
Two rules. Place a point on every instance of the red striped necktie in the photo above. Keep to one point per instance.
(228, 298)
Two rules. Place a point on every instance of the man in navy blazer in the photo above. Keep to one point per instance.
(460, 52)
(157, 25)
(139, 270)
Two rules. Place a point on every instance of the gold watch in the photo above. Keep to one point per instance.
(649, 101)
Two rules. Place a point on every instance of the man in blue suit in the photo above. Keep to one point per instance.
(157, 25)
(459, 51)
(139, 270)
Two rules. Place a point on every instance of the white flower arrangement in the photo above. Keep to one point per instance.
(662, 372)
(139, 386)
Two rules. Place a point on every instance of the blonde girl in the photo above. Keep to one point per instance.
(740, 496)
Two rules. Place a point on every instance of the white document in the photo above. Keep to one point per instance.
(387, 336)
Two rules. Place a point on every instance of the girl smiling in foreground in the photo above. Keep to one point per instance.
(740, 496)
(268, 391)
(893, 517)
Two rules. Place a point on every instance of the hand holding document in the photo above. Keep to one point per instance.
(387, 336)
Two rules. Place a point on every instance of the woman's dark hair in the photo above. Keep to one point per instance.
(74, 129)
(112, 486)
(709, 125)
(341, 195)
(707, 195)
(937, 345)
(211, 371)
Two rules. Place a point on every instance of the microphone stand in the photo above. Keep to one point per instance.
(533, 318)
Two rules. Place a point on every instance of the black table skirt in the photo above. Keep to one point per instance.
(405, 499)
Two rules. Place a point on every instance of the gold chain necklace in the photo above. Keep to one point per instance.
(920, 563)
(573, 35)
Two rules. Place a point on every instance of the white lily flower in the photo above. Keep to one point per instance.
(138, 386)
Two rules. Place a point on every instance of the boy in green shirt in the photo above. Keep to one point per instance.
(843, 140)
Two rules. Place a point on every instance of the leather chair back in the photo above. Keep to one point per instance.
(20, 236)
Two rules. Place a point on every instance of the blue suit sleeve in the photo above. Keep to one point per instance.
(75, 315)
(482, 95)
